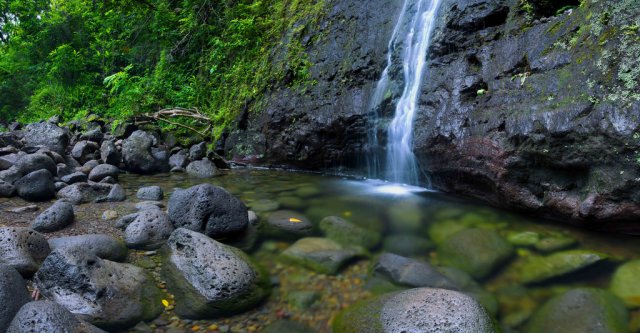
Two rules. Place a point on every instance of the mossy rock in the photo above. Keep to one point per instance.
(538, 268)
(555, 243)
(441, 230)
(523, 239)
(347, 233)
(322, 255)
(476, 251)
(405, 216)
(578, 311)
(625, 283)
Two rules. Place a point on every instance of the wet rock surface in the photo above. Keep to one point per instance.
(56, 217)
(103, 246)
(121, 293)
(47, 316)
(23, 249)
(208, 209)
(211, 279)
(149, 230)
(13, 294)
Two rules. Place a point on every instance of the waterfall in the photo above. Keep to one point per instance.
(413, 32)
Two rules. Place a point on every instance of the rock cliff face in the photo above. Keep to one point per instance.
(533, 113)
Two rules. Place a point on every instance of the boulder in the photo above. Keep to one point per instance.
(208, 209)
(96, 192)
(153, 193)
(288, 224)
(139, 156)
(84, 151)
(56, 217)
(104, 246)
(424, 310)
(102, 171)
(110, 154)
(578, 311)
(48, 135)
(121, 295)
(202, 169)
(410, 272)
(198, 151)
(47, 316)
(76, 177)
(320, 254)
(210, 279)
(476, 251)
(34, 162)
(149, 230)
(36, 186)
(179, 159)
(7, 190)
(23, 249)
(538, 269)
(13, 294)
(624, 283)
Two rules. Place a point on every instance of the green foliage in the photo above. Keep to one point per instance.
(122, 58)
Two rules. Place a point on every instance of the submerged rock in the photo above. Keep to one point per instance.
(424, 310)
(208, 209)
(104, 246)
(13, 294)
(210, 279)
(476, 251)
(320, 254)
(121, 294)
(579, 311)
(56, 217)
(347, 233)
(407, 244)
(411, 272)
(287, 224)
(23, 249)
(538, 269)
(47, 316)
(624, 283)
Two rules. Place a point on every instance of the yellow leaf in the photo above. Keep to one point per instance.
(165, 303)
(294, 220)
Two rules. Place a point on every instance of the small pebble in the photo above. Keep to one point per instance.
(109, 215)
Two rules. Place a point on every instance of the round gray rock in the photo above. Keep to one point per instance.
(202, 169)
(47, 316)
(34, 162)
(48, 135)
(13, 294)
(56, 217)
(150, 229)
(208, 209)
(23, 249)
(102, 171)
(424, 310)
(153, 193)
(121, 295)
(104, 246)
(211, 279)
(36, 186)
(139, 156)
(288, 224)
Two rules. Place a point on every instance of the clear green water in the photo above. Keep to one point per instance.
(394, 214)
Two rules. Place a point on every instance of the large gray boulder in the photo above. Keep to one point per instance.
(56, 217)
(84, 151)
(47, 316)
(208, 209)
(13, 294)
(202, 169)
(103, 171)
(198, 151)
(34, 162)
(110, 154)
(96, 192)
(36, 186)
(139, 157)
(105, 293)
(210, 279)
(48, 135)
(149, 230)
(179, 159)
(411, 272)
(424, 310)
(23, 249)
(153, 193)
(104, 246)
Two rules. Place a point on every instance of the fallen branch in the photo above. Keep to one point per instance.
(165, 115)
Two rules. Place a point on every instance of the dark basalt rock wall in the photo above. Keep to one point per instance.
(538, 114)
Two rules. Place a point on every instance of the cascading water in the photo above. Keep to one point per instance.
(401, 166)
